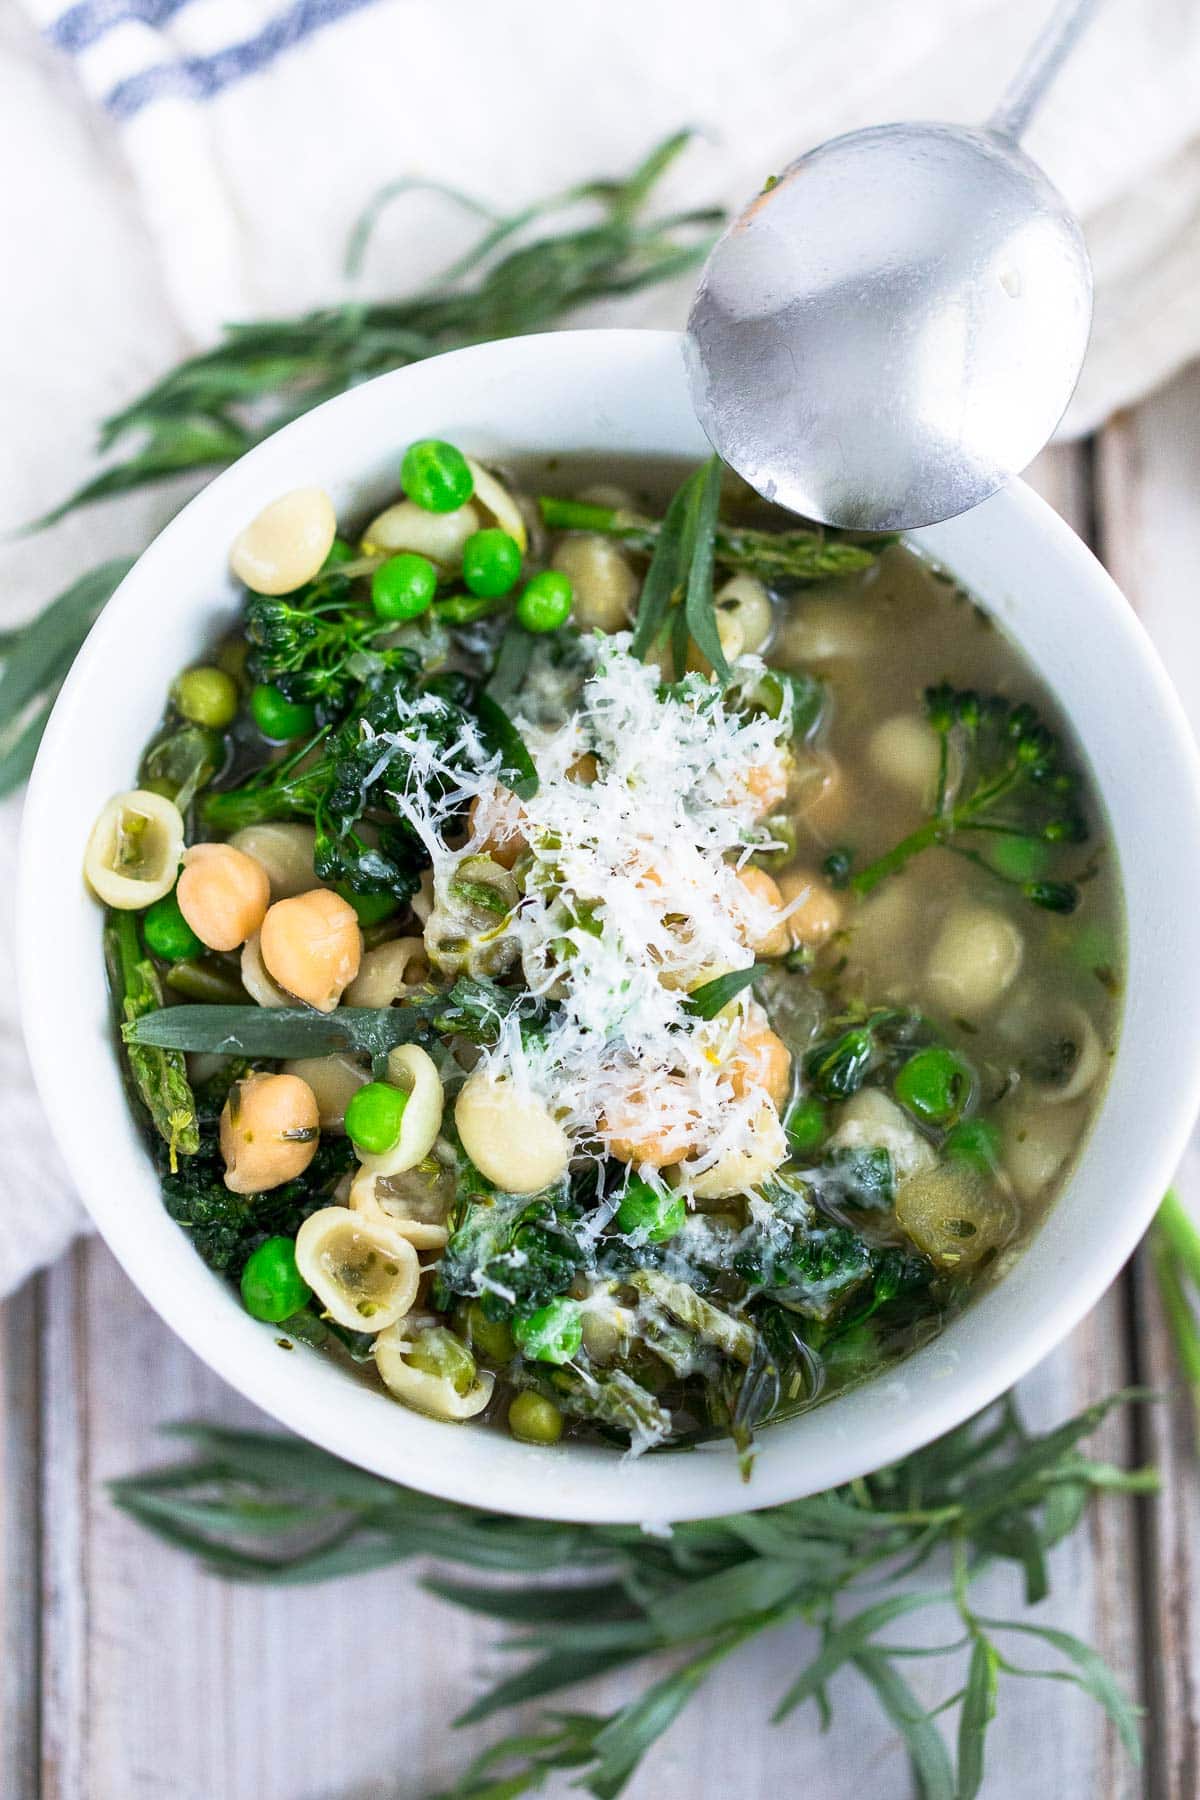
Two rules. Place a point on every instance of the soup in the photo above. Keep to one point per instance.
(637, 964)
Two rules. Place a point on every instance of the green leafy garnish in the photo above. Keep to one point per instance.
(1002, 776)
(210, 408)
(677, 594)
(711, 997)
(854, 1561)
(34, 660)
(158, 1071)
(801, 556)
(276, 1033)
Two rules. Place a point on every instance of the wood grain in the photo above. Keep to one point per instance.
(1149, 509)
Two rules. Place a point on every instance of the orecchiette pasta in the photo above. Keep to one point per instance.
(388, 972)
(134, 851)
(363, 1272)
(437, 1395)
(745, 601)
(414, 1071)
(255, 980)
(495, 498)
(603, 583)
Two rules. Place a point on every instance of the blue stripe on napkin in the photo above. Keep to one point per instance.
(191, 77)
(82, 25)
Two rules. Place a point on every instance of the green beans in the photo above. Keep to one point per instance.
(934, 1086)
(167, 933)
(403, 587)
(552, 1334)
(534, 1419)
(545, 602)
(272, 1286)
(279, 718)
(491, 563)
(646, 1213)
(435, 476)
(206, 697)
(374, 1117)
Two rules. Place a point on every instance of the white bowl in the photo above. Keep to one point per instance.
(619, 392)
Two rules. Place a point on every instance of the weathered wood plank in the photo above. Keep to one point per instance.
(1150, 510)
(20, 1549)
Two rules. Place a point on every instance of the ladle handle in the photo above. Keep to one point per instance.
(1061, 32)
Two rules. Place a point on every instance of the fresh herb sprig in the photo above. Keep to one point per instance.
(799, 556)
(1005, 794)
(854, 1561)
(1175, 1254)
(527, 271)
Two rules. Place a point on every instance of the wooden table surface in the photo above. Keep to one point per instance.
(128, 1675)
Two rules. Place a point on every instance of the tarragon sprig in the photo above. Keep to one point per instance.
(856, 1561)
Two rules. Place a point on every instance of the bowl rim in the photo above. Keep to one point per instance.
(570, 1482)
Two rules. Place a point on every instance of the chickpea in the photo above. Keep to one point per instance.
(762, 935)
(762, 1063)
(603, 584)
(311, 946)
(822, 794)
(767, 785)
(223, 894)
(286, 544)
(502, 818)
(585, 770)
(819, 913)
(512, 1138)
(732, 640)
(269, 1132)
(659, 1132)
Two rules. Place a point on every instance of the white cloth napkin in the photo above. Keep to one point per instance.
(185, 162)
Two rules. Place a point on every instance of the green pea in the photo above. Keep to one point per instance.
(491, 563)
(545, 602)
(806, 1125)
(374, 1117)
(438, 1352)
(975, 1142)
(492, 1339)
(435, 475)
(372, 909)
(647, 1214)
(534, 1419)
(403, 587)
(206, 697)
(279, 718)
(272, 1286)
(340, 551)
(1019, 858)
(934, 1086)
(552, 1334)
(167, 932)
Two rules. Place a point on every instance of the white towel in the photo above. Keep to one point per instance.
(185, 162)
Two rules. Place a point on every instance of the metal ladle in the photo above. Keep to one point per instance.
(893, 328)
